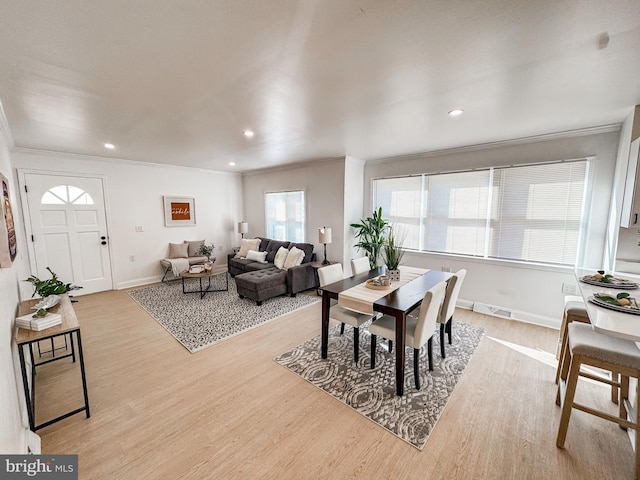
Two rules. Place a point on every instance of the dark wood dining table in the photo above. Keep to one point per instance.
(397, 304)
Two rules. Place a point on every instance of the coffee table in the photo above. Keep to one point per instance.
(216, 270)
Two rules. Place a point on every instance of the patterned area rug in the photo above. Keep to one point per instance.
(199, 323)
(372, 392)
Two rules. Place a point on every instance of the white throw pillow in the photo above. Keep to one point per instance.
(294, 257)
(281, 257)
(247, 244)
(257, 256)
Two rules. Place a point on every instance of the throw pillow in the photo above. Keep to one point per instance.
(281, 257)
(273, 247)
(307, 248)
(194, 247)
(178, 250)
(257, 256)
(294, 258)
(247, 244)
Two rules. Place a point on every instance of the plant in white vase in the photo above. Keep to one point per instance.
(392, 254)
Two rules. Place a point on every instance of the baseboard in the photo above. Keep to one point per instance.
(518, 315)
(138, 282)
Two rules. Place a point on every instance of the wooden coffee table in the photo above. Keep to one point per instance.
(216, 270)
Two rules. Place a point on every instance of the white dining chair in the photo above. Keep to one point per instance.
(360, 265)
(331, 274)
(449, 307)
(419, 331)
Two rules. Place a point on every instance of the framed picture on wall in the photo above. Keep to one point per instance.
(8, 243)
(179, 211)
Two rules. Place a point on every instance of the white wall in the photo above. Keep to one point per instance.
(323, 184)
(134, 194)
(13, 420)
(535, 293)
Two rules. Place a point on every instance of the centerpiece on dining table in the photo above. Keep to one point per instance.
(392, 254)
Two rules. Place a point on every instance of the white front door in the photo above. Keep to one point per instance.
(69, 230)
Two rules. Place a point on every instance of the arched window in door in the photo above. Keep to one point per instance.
(66, 194)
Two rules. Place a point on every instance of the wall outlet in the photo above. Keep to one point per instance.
(132, 258)
(569, 288)
(139, 228)
(446, 269)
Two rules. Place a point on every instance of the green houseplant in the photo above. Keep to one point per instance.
(206, 250)
(392, 254)
(51, 286)
(370, 233)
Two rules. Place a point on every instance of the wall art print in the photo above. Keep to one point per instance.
(8, 242)
(179, 211)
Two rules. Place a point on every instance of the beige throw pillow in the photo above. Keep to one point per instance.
(178, 250)
(294, 257)
(194, 247)
(281, 257)
(247, 244)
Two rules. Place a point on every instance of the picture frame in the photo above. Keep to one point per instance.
(179, 211)
(8, 243)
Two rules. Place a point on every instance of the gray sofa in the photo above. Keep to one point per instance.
(260, 281)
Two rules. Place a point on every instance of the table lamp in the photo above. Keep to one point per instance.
(243, 227)
(324, 237)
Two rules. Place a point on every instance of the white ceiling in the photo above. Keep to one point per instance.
(177, 82)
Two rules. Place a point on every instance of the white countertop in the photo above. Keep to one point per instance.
(604, 320)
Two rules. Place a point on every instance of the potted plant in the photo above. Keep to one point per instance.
(392, 254)
(52, 286)
(370, 233)
(207, 251)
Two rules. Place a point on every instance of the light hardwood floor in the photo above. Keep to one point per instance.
(231, 412)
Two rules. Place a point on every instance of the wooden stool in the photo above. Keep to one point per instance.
(576, 311)
(588, 347)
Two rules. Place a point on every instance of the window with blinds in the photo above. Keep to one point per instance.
(285, 216)
(531, 213)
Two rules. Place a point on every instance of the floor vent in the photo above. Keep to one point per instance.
(492, 310)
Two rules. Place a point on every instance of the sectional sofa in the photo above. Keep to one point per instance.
(257, 276)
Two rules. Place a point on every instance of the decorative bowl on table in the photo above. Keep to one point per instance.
(621, 302)
(602, 279)
(47, 302)
(378, 283)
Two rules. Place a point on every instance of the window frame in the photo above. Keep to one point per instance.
(304, 215)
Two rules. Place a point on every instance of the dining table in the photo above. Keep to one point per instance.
(617, 322)
(398, 303)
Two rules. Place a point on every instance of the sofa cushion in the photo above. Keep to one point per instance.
(273, 247)
(178, 250)
(263, 244)
(307, 248)
(194, 247)
(247, 244)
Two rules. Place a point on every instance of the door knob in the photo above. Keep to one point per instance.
(103, 242)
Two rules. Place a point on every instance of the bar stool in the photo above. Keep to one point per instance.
(588, 347)
(576, 311)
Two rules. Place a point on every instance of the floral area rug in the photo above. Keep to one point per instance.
(372, 392)
(199, 323)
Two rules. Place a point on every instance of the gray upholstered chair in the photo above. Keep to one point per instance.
(449, 307)
(331, 274)
(420, 329)
(588, 347)
(360, 265)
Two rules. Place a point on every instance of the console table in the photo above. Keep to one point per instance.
(26, 338)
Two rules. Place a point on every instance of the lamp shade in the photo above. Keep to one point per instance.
(324, 235)
(243, 227)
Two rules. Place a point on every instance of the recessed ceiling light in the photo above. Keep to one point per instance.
(456, 112)
(110, 146)
(232, 164)
(248, 133)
